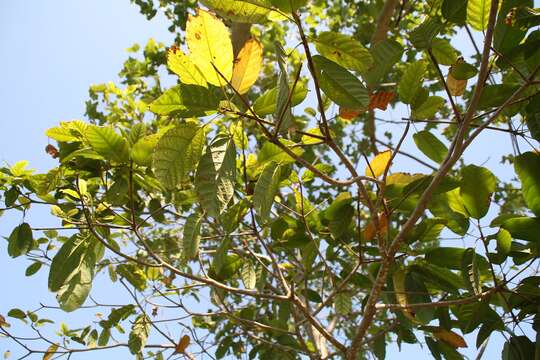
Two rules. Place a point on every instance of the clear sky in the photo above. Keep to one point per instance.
(51, 51)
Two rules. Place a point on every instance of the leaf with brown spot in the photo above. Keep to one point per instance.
(182, 344)
(52, 151)
(210, 47)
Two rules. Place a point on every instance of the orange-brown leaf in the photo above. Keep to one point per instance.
(450, 337)
(182, 344)
(348, 114)
(370, 231)
(381, 99)
(456, 87)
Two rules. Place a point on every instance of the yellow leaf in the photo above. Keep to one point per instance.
(247, 66)
(449, 337)
(398, 279)
(456, 87)
(50, 352)
(210, 46)
(378, 164)
(180, 64)
(182, 344)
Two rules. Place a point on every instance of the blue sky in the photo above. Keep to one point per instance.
(51, 52)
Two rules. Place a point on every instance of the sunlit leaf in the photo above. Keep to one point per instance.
(378, 164)
(478, 14)
(247, 66)
(266, 189)
(180, 64)
(210, 47)
(344, 50)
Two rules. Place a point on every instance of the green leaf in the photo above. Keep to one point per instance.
(455, 11)
(343, 303)
(271, 152)
(252, 12)
(67, 261)
(186, 101)
(344, 50)
(191, 236)
(496, 95)
(248, 274)
(139, 334)
(478, 14)
(283, 113)
(266, 189)
(72, 295)
(385, 54)
(444, 52)
(288, 6)
(506, 37)
(411, 81)
(417, 293)
(341, 86)
(216, 175)
(518, 348)
(463, 71)
(524, 228)
(32, 269)
(106, 142)
(477, 185)
(177, 153)
(527, 167)
(432, 147)
(20, 240)
(428, 108)
(532, 117)
(422, 36)
(266, 103)
(142, 150)
(449, 205)
(469, 270)
(16, 313)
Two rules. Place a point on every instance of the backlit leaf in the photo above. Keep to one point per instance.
(478, 14)
(266, 189)
(247, 66)
(477, 185)
(411, 81)
(106, 142)
(186, 101)
(180, 64)
(210, 46)
(527, 167)
(191, 236)
(344, 50)
(378, 164)
(432, 147)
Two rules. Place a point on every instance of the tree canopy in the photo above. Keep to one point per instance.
(253, 208)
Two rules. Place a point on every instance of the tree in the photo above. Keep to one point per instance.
(244, 223)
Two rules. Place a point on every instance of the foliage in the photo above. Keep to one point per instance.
(230, 203)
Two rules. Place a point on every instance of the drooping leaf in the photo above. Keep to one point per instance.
(378, 164)
(411, 81)
(266, 189)
(432, 147)
(20, 241)
(210, 47)
(191, 236)
(507, 36)
(527, 167)
(248, 274)
(462, 70)
(50, 352)
(343, 303)
(341, 86)
(449, 337)
(180, 64)
(216, 175)
(344, 50)
(247, 66)
(469, 269)
(177, 153)
(106, 142)
(283, 113)
(139, 334)
(182, 344)
(73, 294)
(478, 14)
(186, 101)
(477, 185)
(67, 261)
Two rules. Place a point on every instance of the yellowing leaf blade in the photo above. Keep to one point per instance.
(180, 64)
(182, 344)
(247, 66)
(210, 47)
(378, 165)
(50, 352)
